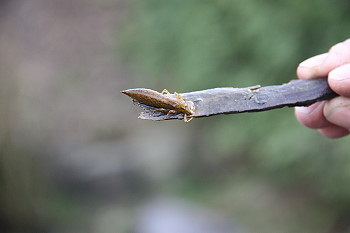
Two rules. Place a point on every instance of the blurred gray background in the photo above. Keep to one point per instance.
(75, 158)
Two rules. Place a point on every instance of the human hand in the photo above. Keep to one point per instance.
(331, 118)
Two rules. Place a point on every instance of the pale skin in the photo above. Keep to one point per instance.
(331, 118)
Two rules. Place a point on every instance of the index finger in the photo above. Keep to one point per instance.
(309, 68)
(321, 65)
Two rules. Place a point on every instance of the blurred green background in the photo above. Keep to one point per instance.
(75, 158)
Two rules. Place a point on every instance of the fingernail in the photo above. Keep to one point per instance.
(308, 63)
(307, 110)
(337, 77)
(314, 61)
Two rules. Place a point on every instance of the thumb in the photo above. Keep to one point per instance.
(339, 80)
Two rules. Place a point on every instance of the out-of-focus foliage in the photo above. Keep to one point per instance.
(75, 158)
(204, 43)
(195, 44)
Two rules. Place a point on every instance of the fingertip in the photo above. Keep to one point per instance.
(312, 116)
(334, 131)
(305, 72)
(339, 80)
(310, 68)
(337, 111)
(314, 61)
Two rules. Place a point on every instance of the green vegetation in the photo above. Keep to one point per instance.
(196, 44)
